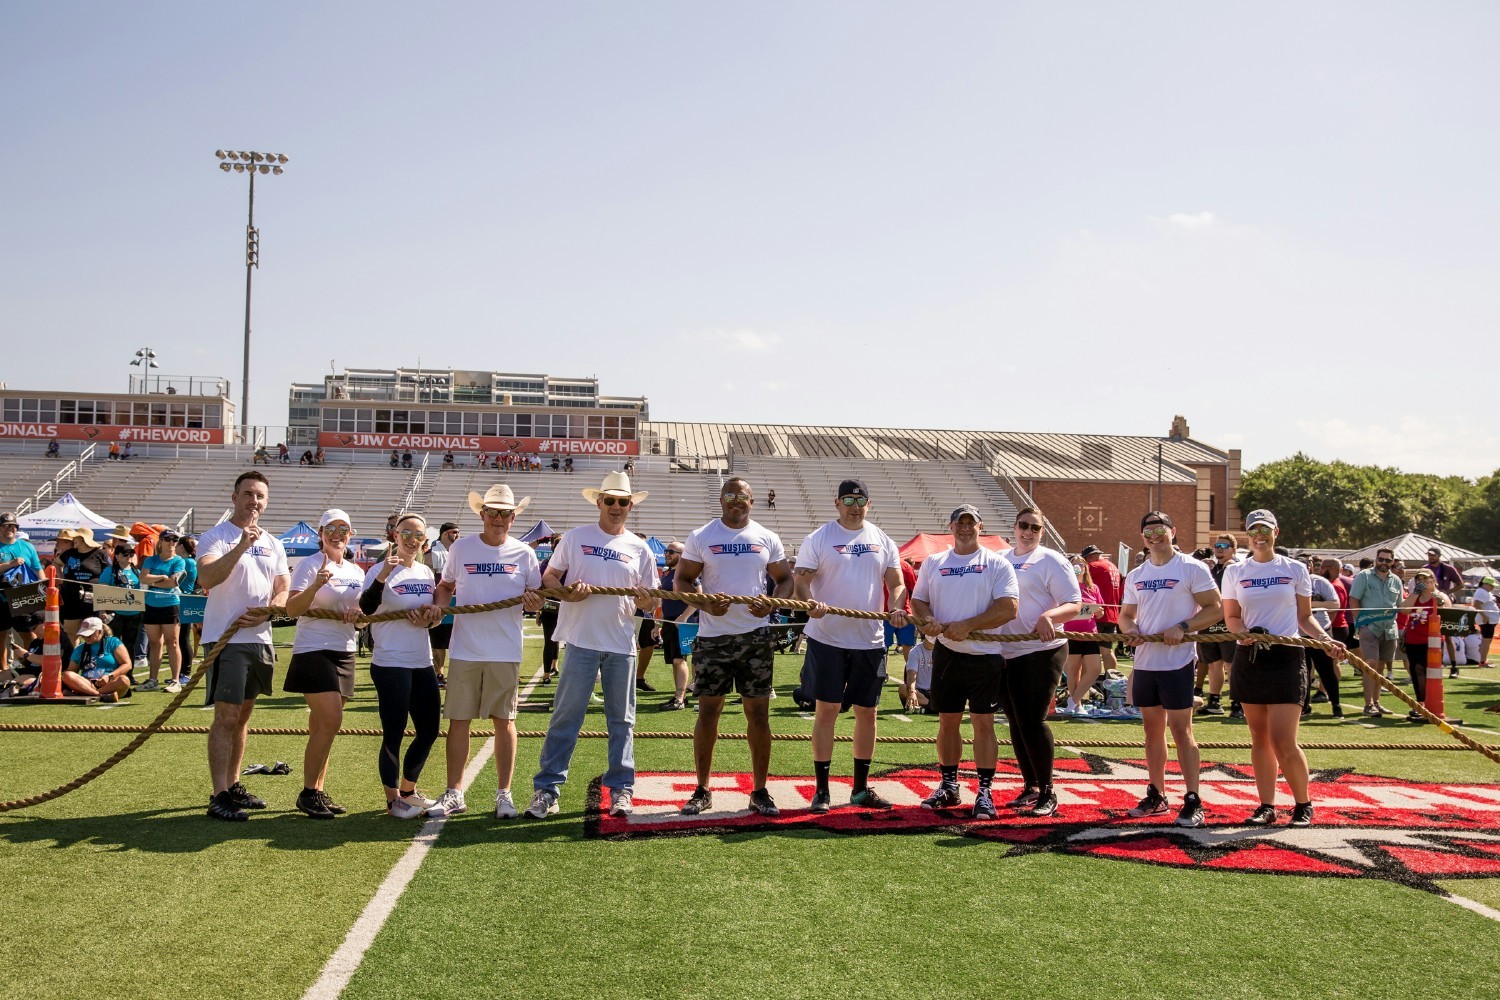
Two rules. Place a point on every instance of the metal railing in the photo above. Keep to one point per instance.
(185, 523)
(415, 484)
(53, 486)
(1023, 499)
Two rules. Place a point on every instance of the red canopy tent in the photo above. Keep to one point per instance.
(923, 545)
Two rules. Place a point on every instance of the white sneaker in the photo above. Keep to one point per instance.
(419, 799)
(505, 807)
(543, 804)
(450, 804)
(622, 803)
(400, 808)
(172, 687)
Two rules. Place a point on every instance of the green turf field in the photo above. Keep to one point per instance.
(125, 889)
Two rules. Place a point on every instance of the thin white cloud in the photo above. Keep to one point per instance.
(1197, 220)
(751, 341)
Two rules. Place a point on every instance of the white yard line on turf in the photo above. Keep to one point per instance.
(345, 962)
(1472, 906)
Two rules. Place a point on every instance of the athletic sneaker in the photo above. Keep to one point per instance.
(1372, 711)
(1152, 804)
(173, 687)
(329, 804)
(621, 802)
(505, 806)
(1025, 800)
(400, 808)
(184, 678)
(762, 803)
(1213, 707)
(1191, 813)
(984, 805)
(543, 804)
(821, 802)
(944, 796)
(701, 799)
(1302, 814)
(419, 798)
(1236, 713)
(1129, 712)
(1415, 716)
(869, 798)
(149, 685)
(1264, 815)
(450, 803)
(1046, 805)
(241, 797)
(311, 803)
(673, 705)
(221, 806)
(641, 685)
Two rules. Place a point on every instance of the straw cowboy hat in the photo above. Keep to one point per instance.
(616, 484)
(499, 496)
(121, 534)
(82, 539)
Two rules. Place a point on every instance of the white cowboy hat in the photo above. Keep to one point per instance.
(498, 495)
(616, 484)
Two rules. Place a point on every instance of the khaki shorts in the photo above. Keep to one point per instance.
(482, 689)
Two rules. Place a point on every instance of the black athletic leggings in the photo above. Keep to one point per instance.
(1029, 683)
(548, 617)
(1328, 673)
(1416, 668)
(404, 692)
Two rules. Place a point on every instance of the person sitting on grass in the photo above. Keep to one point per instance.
(99, 665)
(28, 648)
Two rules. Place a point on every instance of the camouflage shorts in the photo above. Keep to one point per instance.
(723, 663)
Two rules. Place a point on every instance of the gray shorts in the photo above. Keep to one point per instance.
(242, 673)
(1373, 648)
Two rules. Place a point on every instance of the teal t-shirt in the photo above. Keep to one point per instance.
(114, 576)
(163, 597)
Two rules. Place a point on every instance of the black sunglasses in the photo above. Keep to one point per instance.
(1027, 526)
(611, 501)
(1222, 545)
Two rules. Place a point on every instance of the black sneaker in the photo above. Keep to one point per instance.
(821, 802)
(1025, 800)
(1415, 716)
(673, 705)
(1213, 707)
(869, 798)
(310, 801)
(1264, 815)
(1302, 814)
(221, 806)
(641, 685)
(241, 797)
(1191, 813)
(1046, 804)
(1153, 803)
(701, 799)
(762, 803)
(330, 805)
(1236, 712)
(944, 796)
(1338, 711)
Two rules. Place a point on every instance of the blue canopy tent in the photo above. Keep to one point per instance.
(539, 530)
(660, 550)
(301, 539)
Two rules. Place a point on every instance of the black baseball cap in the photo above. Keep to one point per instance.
(853, 488)
(962, 509)
(1156, 517)
(447, 526)
(9, 517)
(1091, 550)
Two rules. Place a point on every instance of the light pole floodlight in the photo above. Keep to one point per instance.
(219, 153)
(225, 167)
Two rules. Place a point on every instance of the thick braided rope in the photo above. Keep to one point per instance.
(700, 600)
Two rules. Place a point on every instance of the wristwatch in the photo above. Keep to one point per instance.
(1183, 625)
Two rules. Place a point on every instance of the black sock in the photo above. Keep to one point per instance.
(950, 773)
(820, 770)
(309, 791)
(986, 775)
(861, 774)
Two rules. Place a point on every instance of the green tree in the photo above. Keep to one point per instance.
(1476, 524)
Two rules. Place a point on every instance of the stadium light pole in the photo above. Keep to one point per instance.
(251, 162)
(146, 359)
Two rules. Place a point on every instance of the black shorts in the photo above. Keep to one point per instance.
(320, 671)
(440, 635)
(1169, 689)
(646, 637)
(724, 663)
(73, 609)
(164, 615)
(1268, 675)
(1217, 652)
(1487, 631)
(845, 676)
(241, 673)
(1109, 628)
(671, 642)
(965, 679)
(1082, 647)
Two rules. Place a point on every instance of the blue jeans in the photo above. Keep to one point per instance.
(575, 685)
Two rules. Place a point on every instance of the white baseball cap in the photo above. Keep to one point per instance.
(334, 514)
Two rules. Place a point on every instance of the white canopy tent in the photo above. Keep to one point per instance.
(1411, 548)
(42, 526)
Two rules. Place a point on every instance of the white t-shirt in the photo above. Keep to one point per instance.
(734, 562)
(920, 661)
(483, 574)
(1163, 596)
(340, 593)
(850, 569)
(1046, 580)
(1267, 592)
(1322, 590)
(249, 583)
(590, 554)
(958, 587)
(1484, 600)
(400, 643)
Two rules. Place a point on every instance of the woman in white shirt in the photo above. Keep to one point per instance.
(1489, 615)
(1273, 594)
(322, 666)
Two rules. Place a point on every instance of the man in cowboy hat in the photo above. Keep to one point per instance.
(600, 637)
(484, 668)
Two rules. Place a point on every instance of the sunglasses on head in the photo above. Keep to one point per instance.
(854, 501)
(1027, 526)
(612, 501)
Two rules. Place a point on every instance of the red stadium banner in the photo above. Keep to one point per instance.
(475, 442)
(113, 432)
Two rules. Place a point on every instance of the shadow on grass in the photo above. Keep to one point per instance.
(185, 831)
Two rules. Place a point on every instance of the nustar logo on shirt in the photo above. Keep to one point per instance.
(491, 569)
(1266, 581)
(856, 548)
(1155, 584)
(736, 549)
(606, 553)
(961, 570)
(413, 587)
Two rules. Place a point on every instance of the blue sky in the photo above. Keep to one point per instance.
(1278, 220)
